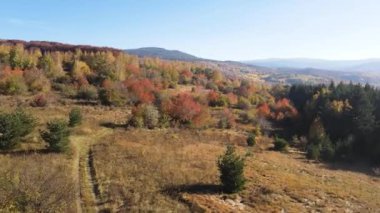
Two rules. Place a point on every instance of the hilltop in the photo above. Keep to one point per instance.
(45, 46)
(163, 54)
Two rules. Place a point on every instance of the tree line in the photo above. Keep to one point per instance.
(340, 122)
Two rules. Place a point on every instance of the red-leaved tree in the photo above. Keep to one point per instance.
(183, 108)
(142, 90)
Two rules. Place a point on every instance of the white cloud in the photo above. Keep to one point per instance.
(24, 22)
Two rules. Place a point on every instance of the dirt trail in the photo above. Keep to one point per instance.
(89, 197)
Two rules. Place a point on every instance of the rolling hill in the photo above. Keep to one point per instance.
(162, 53)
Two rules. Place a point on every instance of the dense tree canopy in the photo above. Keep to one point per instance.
(345, 115)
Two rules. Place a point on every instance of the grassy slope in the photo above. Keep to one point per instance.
(175, 170)
(141, 169)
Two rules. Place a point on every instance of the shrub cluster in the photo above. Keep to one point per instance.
(145, 116)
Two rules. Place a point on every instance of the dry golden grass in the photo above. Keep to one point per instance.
(36, 183)
(287, 181)
(161, 170)
(140, 170)
(169, 170)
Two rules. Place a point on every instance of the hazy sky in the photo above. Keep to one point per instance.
(216, 29)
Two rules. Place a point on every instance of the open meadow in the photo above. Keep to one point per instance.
(117, 169)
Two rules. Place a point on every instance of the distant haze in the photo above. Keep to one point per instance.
(365, 65)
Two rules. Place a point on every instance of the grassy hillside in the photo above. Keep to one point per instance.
(138, 170)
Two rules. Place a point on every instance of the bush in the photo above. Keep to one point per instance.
(164, 121)
(344, 148)
(219, 101)
(243, 103)
(137, 121)
(299, 142)
(231, 168)
(75, 117)
(224, 123)
(66, 89)
(57, 136)
(258, 131)
(251, 140)
(327, 150)
(112, 97)
(39, 101)
(247, 116)
(14, 126)
(14, 85)
(151, 116)
(211, 86)
(87, 92)
(227, 120)
(37, 81)
(313, 152)
(145, 116)
(280, 144)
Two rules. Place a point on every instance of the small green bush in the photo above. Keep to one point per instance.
(231, 168)
(87, 92)
(327, 150)
(57, 136)
(66, 90)
(313, 151)
(75, 117)
(280, 144)
(112, 97)
(13, 127)
(251, 139)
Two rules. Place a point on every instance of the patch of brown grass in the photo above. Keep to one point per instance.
(171, 170)
(140, 170)
(36, 183)
(137, 167)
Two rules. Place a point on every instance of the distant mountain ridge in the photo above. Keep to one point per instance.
(162, 53)
(50, 46)
(372, 65)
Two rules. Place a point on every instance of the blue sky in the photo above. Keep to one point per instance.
(216, 29)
